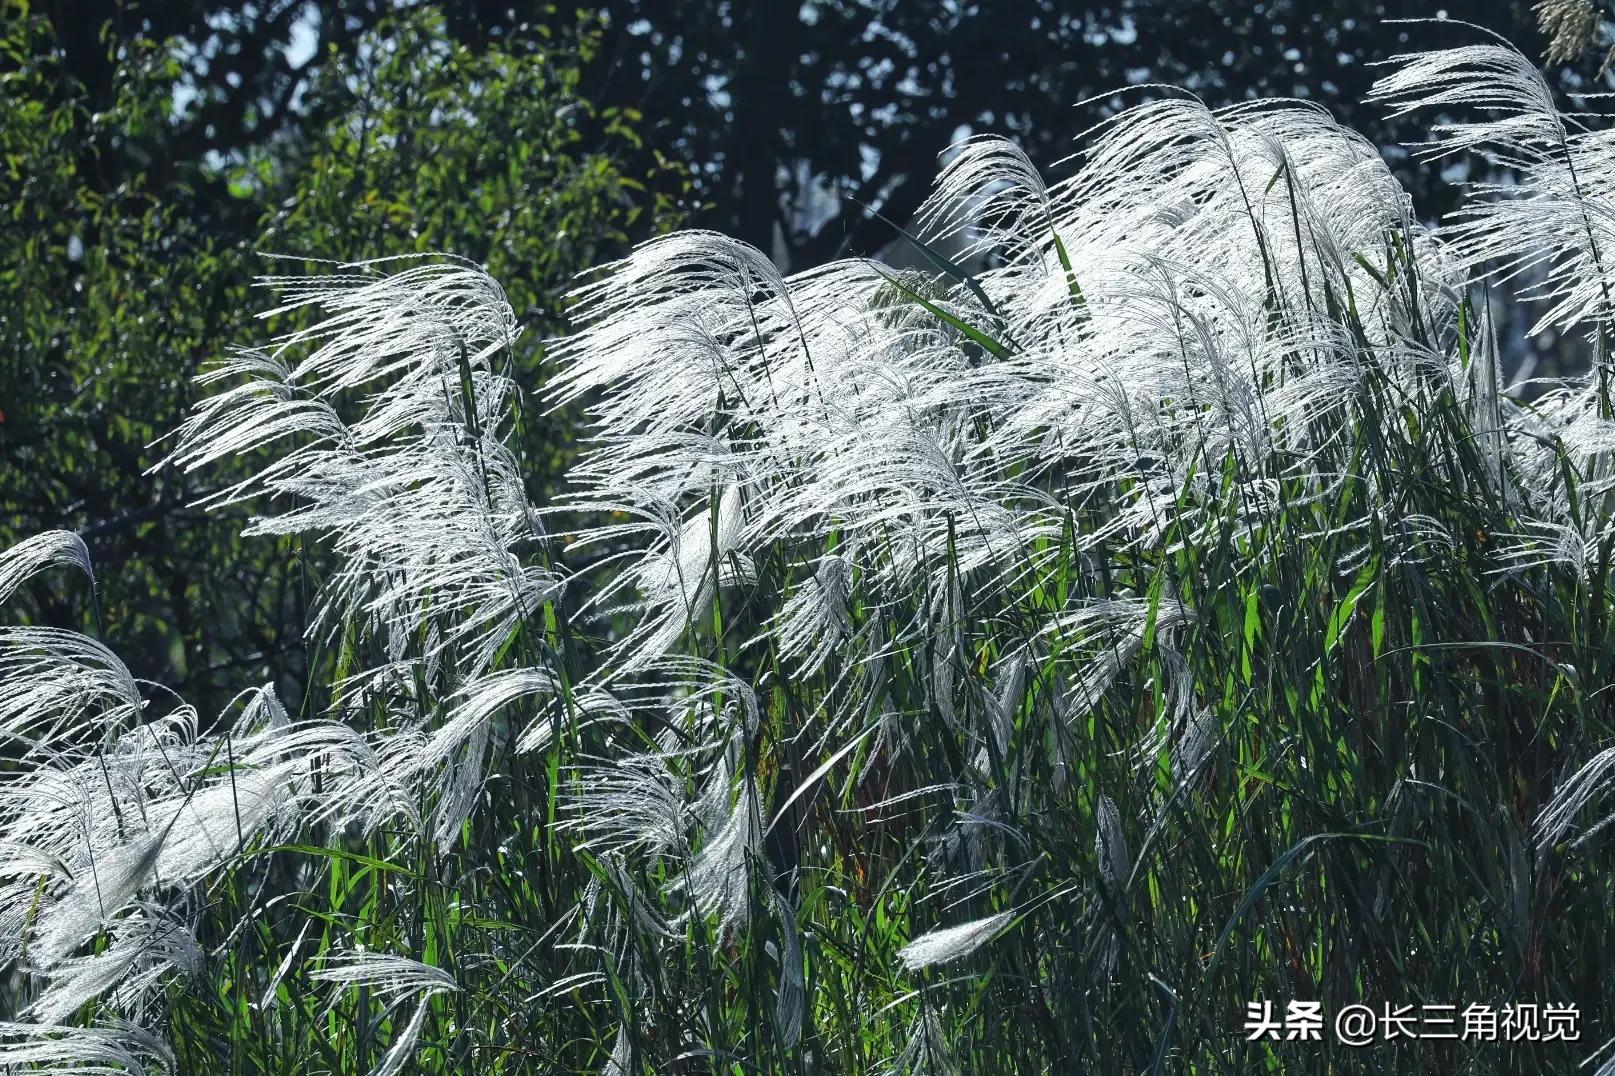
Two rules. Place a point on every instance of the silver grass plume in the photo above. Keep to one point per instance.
(114, 1049)
(951, 943)
(927, 1052)
(1578, 791)
(439, 550)
(33, 555)
(718, 879)
(395, 979)
(1554, 212)
(1115, 866)
(112, 820)
(387, 974)
(420, 493)
(1570, 27)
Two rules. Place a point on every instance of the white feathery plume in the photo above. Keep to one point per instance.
(926, 1053)
(790, 1004)
(678, 583)
(1547, 543)
(718, 878)
(462, 740)
(952, 943)
(815, 620)
(478, 703)
(112, 1049)
(394, 408)
(387, 974)
(402, 1050)
(394, 978)
(1579, 790)
(1118, 628)
(421, 494)
(622, 1054)
(1115, 864)
(632, 915)
(45, 550)
(630, 803)
(206, 828)
(146, 948)
(1556, 212)
(991, 187)
(108, 881)
(1195, 742)
(59, 687)
(273, 986)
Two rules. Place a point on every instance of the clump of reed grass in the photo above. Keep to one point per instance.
(1005, 671)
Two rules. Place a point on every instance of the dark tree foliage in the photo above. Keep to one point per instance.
(794, 116)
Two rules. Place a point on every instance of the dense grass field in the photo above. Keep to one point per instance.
(1012, 671)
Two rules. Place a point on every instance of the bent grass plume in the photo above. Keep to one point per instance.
(924, 672)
